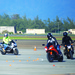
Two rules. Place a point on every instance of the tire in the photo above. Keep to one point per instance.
(50, 57)
(71, 55)
(68, 56)
(15, 51)
(2, 52)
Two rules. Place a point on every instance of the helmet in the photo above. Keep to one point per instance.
(5, 35)
(49, 35)
(65, 34)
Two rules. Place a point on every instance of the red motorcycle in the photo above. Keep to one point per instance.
(52, 54)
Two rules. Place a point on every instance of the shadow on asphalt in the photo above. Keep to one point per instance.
(73, 58)
(13, 54)
(58, 61)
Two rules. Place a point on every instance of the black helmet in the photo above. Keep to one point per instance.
(49, 35)
(65, 34)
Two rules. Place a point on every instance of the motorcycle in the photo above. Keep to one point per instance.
(68, 51)
(12, 48)
(52, 54)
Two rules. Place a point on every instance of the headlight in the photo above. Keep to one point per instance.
(45, 49)
(69, 47)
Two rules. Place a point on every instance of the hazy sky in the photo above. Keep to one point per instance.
(43, 8)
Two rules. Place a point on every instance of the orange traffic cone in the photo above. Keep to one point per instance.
(35, 48)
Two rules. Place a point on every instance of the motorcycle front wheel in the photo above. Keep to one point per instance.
(16, 51)
(50, 57)
(71, 55)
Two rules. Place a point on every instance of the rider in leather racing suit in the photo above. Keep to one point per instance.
(52, 41)
(66, 40)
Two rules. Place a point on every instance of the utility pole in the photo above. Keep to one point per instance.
(58, 27)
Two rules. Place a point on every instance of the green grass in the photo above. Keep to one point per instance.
(35, 37)
(26, 38)
(30, 38)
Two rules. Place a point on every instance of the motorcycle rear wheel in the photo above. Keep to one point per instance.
(3, 53)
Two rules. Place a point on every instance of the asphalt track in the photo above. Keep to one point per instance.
(30, 62)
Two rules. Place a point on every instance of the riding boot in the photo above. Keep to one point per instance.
(58, 49)
(64, 52)
(3, 50)
(60, 53)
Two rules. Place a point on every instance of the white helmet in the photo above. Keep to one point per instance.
(5, 35)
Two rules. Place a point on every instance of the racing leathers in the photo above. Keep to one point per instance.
(66, 40)
(53, 41)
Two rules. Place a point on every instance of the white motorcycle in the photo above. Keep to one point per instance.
(12, 48)
(68, 51)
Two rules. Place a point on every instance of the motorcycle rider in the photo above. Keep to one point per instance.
(66, 40)
(52, 41)
(6, 41)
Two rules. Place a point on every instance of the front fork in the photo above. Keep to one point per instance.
(50, 52)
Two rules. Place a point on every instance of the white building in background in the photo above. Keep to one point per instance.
(8, 28)
(35, 31)
(71, 31)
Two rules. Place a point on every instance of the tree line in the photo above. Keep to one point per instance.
(23, 23)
